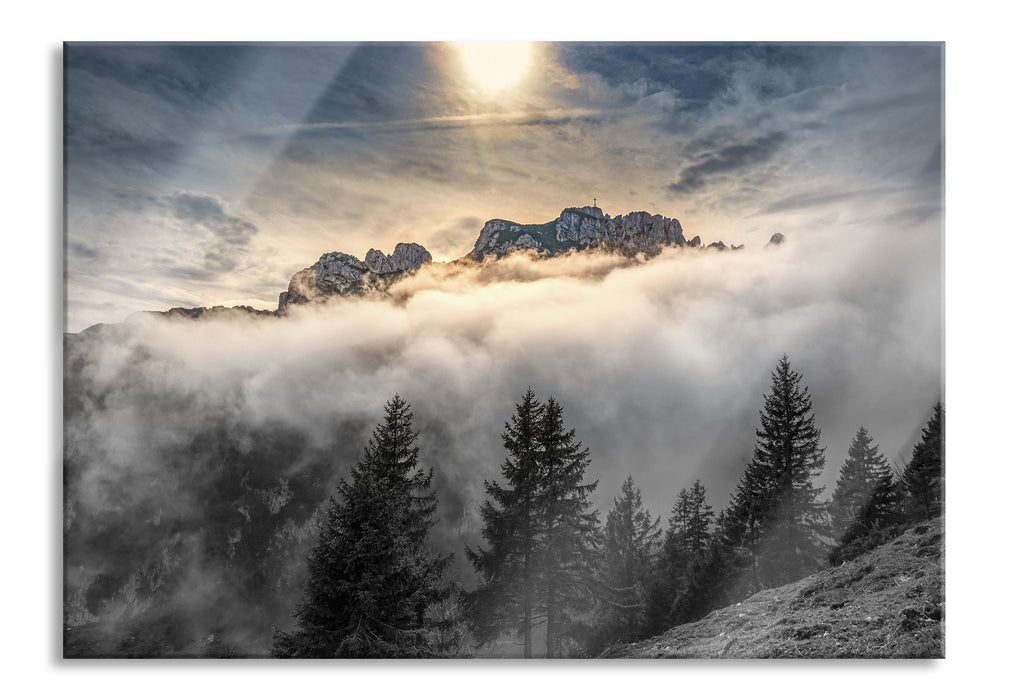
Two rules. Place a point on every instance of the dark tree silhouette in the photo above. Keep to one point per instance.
(630, 547)
(924, 477)
(774, 514)
(711, 581)
(691, 520)
(861, 472)
(686, 542)
(505, 600)
(540, 533)
(372, 576)
(570, 527)
(878, 520)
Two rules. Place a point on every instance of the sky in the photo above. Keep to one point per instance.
(207, 174)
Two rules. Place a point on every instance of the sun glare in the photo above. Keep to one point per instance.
(495, 65)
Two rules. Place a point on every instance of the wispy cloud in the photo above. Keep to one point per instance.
(728, 159)
(231, 234)
(812, 200)
(524, 118)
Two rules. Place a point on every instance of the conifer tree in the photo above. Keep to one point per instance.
(878, 520)
(686, 542)
(506, 598)
(693, 517)
(774, 514)
(924, 477)
(570, 527)
(540, 532)
(711, 581)
(372, 576)
(630, 546)
(860, 474)
(669, 580)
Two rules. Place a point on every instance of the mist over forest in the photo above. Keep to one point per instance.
(198, 452)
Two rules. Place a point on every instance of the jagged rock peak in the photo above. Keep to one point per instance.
(341, 273)
(776, 239)
(579, 228)
(406, 256)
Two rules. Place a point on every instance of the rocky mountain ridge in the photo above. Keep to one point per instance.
(341, 273)
(576, 229)
(579, 228)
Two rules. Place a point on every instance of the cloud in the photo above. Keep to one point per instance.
(933, 168)
(524, 118)
(82, 250)
(231, 234)
(815, 200)
(455, 240)
(726, 160)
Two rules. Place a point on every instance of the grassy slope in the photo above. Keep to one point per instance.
(887, 603)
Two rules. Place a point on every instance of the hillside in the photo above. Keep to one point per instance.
(887, 603)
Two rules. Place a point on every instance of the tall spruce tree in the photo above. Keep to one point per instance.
(630, 546)
(692, 517)
(686, 542)
(860, 474)
(774, 514)
(924, 477)
(539, 531)
(372, 575)
(711, 581)
(570, 527)
(506, 598)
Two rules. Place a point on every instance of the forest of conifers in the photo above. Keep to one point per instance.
(554, 578)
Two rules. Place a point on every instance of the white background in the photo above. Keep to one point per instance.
(976, 357)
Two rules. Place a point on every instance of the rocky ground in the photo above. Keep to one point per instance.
(887, 603)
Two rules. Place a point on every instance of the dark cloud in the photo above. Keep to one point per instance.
(726, 160)
(231, 234)
(814, 200)
(933, 167)
(137, 105)
(82, 250)
(696, 71)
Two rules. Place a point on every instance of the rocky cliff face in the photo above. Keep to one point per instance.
(341, 273)
(579, 228)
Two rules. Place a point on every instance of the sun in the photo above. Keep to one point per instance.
(494, 65)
